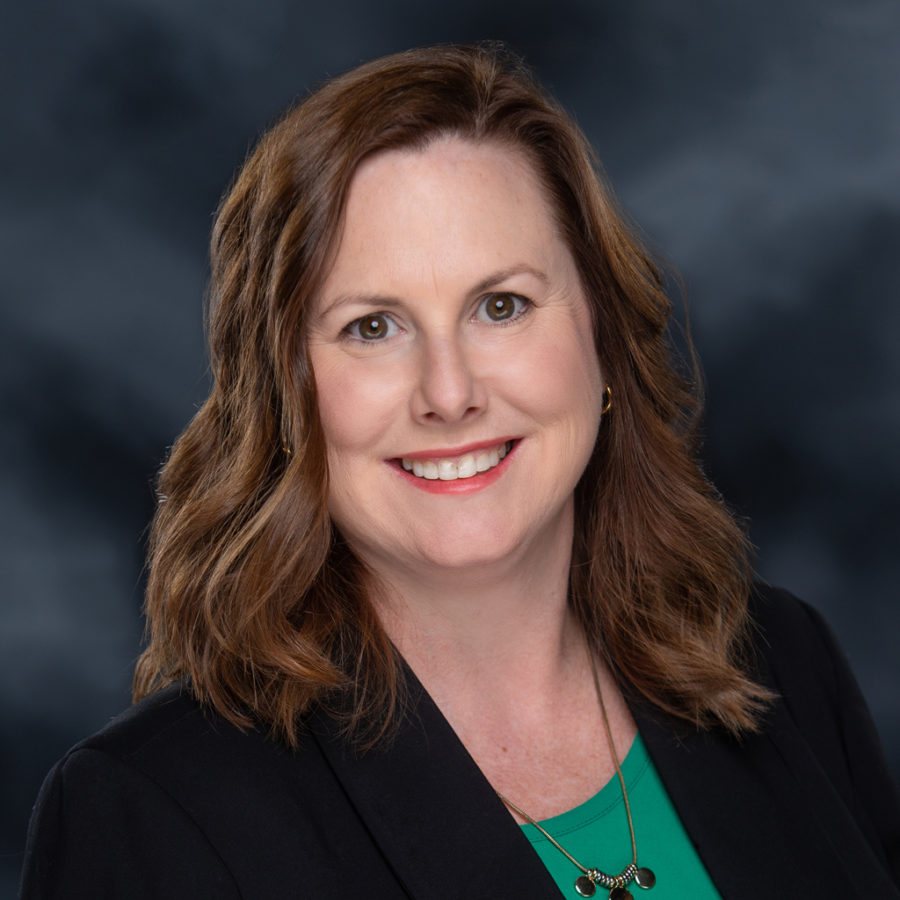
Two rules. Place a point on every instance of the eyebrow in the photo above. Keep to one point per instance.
(499, 277)
(388, 302)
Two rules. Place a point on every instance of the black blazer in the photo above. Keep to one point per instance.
(170, 801)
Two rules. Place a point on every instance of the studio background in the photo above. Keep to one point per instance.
(758, 145)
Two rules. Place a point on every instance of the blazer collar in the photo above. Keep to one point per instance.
(761, 815)
(431, 811)
(764, 818)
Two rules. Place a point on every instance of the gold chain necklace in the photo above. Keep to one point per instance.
(586, 883)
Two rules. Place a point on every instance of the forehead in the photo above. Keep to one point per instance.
(456, 204)
(447, 161)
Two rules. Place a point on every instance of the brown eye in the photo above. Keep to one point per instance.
(502, 307)
(371, 328)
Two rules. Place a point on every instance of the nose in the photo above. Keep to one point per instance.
(448, 389)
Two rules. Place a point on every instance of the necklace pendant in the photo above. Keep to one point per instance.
(620, 893)
(585, 886)
(645, 878)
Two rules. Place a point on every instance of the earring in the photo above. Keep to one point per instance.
(608, 404)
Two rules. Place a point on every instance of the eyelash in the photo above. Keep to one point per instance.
(351, 330)
(522, 308)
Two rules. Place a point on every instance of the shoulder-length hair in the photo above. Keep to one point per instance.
(254, 600)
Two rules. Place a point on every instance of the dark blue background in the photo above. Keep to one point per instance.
(757, 144)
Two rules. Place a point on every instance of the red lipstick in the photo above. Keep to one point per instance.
(456, 486)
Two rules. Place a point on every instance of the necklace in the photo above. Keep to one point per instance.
(586, 883)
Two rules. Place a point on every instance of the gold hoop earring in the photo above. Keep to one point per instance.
(608, 404)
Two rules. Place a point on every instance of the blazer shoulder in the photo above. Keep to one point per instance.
(170, 733)
(169, 714)
(171, 800)
(818, 691)
(799, 657)
(103, 826)
(778, 615)
(795, 647)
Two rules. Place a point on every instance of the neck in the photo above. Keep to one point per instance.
(505, 624)
(499, 651)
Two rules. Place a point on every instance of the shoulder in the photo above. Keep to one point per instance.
(821, 706)
(170, 737)
(779, 616)
(171, 797)
(85, 837)
(172, 745)
(169, 717)
(789, 634)
(801, 659)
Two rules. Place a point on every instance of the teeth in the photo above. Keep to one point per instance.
(451, 469)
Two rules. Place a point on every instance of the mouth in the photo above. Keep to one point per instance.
(457, 468)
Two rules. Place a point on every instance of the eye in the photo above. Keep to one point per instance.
(372, 328)
(502, 307)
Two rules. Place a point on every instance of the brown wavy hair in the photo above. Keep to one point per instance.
(254, 600)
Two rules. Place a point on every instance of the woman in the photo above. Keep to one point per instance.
(436, 558)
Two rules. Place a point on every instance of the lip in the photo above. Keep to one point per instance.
(448, 452)
(460, 485)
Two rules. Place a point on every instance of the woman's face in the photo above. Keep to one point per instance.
(459, 387)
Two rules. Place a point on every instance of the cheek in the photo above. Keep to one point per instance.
(355, 409)
(564, 380)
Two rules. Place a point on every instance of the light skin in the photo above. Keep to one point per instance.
(452, 338)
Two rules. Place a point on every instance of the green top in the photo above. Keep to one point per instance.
(596, 834)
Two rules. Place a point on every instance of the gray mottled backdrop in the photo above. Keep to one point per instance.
(758, 144)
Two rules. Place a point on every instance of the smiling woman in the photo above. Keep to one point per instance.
(440, 601)
(482, 353)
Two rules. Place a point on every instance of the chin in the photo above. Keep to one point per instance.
(471, 553)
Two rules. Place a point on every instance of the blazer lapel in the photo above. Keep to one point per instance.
(432, 813)
(763, 819)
